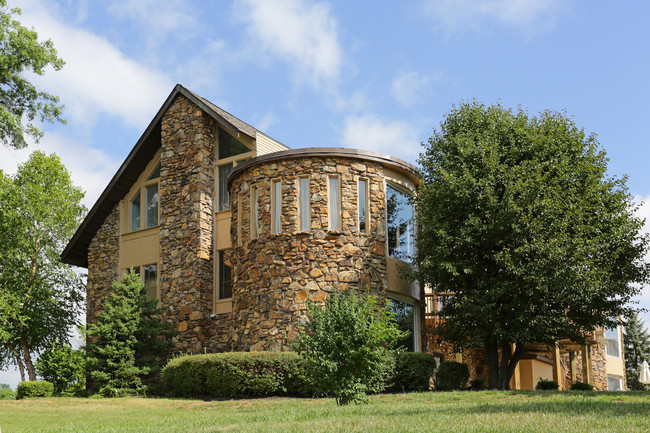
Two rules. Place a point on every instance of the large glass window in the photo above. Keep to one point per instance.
(276, 206)
(151, 280)
(229, 145)
(304, 208)
(224, 194)
(225, 280)
(399, 216)
(613, 342)
(363, 206)
(151, 215)
(613, 383)
(135, 213)
(334, 203)
(405, 318)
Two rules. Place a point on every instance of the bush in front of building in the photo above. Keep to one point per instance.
(6, 393)
(413, 372)
(452, 375)
(547, 385)
(478, 384)
(34, 388)
(235, 374)
(581, 386)
(64, 367)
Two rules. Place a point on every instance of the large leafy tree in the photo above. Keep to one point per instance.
(40, 297)
(520, 220)
(22, 54)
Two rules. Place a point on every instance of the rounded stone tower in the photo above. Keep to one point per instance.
(309, 221)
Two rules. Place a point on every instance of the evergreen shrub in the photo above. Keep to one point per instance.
(235, 374)
(34, 388)
(478, 384)
(413, 371)
(547, 385)
(581, 386)
(452, 375)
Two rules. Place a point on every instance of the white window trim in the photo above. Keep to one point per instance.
(276, 206)
(338, 204)
(300, 212)
(367, 209)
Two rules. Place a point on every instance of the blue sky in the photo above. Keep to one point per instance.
(376, 75)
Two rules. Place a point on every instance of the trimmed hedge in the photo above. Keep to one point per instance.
(581, 386)
(34, 388)
(478, 384)
(452, 375)
(235, 374)
(413, 371)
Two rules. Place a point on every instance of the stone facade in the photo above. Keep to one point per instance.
(103, 264)
(274, 275)
(187, 187)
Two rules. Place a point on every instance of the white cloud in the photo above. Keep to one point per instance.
(303, 34)
(159, 17)
(392, 137)
(97, 78)
(410, 88)
(528, 15)
(644, 212)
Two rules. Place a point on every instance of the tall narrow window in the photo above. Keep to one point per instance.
(254, 213)
(240, 218)
(224, 194)
(334, 204)
(151, 210)
(225, 280)
(613, 342)
(304, 208)
(151, 280)
(135, 213)
(276, 206)
(399, 216)
(363, 206)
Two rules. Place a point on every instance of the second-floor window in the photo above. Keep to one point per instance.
(363, 206)
(613, 342)
(230, 152)
(144, 204)
(276, 206)
(399, 216)
(334, 190)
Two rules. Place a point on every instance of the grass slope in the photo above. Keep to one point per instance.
(489, 411)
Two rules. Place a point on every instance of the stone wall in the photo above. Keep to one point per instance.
(187, 185)
(275, 274)
(103, 264)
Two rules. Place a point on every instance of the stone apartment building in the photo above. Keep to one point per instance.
(234, 232)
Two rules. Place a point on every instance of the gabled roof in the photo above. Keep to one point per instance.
(76, 252)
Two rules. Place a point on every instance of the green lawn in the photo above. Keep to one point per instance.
(513, 411)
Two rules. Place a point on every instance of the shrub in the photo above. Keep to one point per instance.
(34, 388)
(478, 384)
(347, 345)
(451, 375)
(7, 394)
(581, 386)
(413, 371)
(234, 374)
(547, 385)
(64, 367)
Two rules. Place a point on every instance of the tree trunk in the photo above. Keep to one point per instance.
(31, 370)
(492, 354)
(501, 372)
(19, 361)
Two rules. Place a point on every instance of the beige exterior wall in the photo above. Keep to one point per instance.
(265, 144)
(531, 370)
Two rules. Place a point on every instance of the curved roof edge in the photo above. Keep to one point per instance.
(76, 252)
(382, 158)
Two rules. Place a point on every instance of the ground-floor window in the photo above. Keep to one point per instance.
(614, 383)
(149, 275)
(406, 316)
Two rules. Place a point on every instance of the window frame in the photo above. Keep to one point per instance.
(254, 212)
(276, 206)
(366, 191)
(302, 211)
(221, 263)
(417, 342)
(139, 268)
(617, 330)
(141, 191)
(235, 160)
(412, 244)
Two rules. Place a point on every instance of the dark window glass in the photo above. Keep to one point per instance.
(156, 173)
(229, 145)
(151, 280)
(224, 194)
(151, 213)
(404, 316)
(363, 206)
(399, 216)
(135, 213)
(225, 280)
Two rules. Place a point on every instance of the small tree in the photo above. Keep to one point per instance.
(129, 344)
(347, 344)
(637, 348)
(64, 367)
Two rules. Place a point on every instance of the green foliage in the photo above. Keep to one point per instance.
(451, 375)
(581, 386)
(347, 344)
(41, 297)
(34, 388)
(7, 393)
(520, 220)
(64, 367)
(478, 384)
(20, 101)
(547, 385)
(129, 343)
(636, 345)
(413, 371)
(234, 374)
